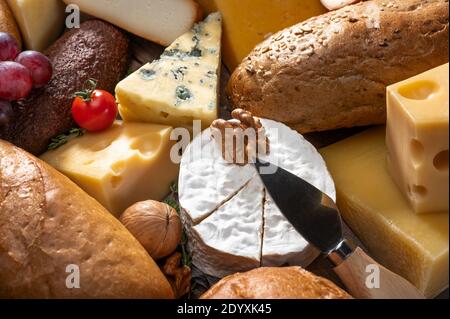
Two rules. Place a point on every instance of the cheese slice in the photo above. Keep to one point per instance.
(161, 21)
(207, 173)
(210, 189)
(180, 87)
(41, 22)
(248, 22)
(277, 232)
(417, 139)
(413, 245)
(127, 163)
(229, 240)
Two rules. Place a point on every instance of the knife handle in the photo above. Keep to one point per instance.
(366, 279)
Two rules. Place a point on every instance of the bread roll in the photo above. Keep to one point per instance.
(275, 283)
(96, 50)
(47, 223)
(8, 23)
(331, 71)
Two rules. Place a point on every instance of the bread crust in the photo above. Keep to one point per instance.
(48, 223)
(96, 50)
(8, 23)
(331, 71)
(275, 283)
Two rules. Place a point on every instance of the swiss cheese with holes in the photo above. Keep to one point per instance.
(129, 162)
(417, 139)
(232, 223)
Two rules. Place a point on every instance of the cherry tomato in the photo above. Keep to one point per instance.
(94, 110)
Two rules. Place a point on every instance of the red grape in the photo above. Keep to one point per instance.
(6, 113)
(15, 81)
(38, 65)
(9, 48)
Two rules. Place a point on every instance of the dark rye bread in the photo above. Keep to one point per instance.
(96, 50)
(331, 71)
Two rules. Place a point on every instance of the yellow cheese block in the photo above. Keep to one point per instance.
(247, 22)
(129, 162)
(417, 139)
(413, 245)
(41, 21)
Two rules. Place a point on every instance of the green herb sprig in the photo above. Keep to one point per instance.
(62, 139)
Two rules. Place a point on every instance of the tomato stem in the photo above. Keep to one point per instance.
(89, 86)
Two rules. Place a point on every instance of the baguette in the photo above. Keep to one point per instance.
(331, 71)
(48, 223)
(8, 23)
(96, 50)
(275, 283)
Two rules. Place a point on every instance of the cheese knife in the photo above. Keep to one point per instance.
(316, 217)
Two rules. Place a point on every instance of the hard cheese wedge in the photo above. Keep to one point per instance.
(247, 22)
(40, 21)
(160, 21)
(417, 139)
(180, 87)
(129, 162)
(412, 245)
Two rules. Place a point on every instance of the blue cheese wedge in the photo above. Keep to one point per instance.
(182, 85)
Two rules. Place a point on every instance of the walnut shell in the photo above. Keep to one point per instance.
(155, 225)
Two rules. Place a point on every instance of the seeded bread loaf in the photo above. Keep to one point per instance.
(331, 71)
(48, 225)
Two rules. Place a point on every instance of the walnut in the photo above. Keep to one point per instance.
(179, 276)
(242, 138)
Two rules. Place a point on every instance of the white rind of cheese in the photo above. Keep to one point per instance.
(208, 185)
(182, 85)
(41, 22)
(229, 240)
(205, 172)
(277, 233)
(292, 152)
(160, 21)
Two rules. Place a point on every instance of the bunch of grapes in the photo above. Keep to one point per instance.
(20, 72)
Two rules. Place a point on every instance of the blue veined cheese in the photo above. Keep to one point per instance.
(182, 85)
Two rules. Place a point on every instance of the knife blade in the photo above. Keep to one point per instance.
(317, 218)
(312, 213)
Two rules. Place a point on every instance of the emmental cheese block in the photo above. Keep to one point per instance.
(248, 22)
(182, 85)
(129, 162)
(41, 21)
(413, 245)
(231, 221)
(417, 139)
